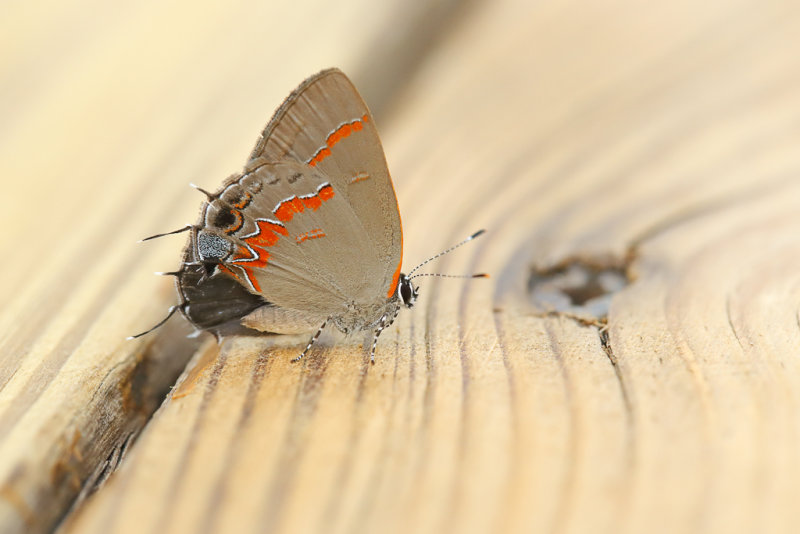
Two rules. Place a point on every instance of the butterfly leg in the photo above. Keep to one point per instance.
(170, 313)
(383, 323)
(310, 343)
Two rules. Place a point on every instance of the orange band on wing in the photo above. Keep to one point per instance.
(252, 278)
(248, 262)
(311, 234)
(268, 233)
(247, 272)
(313, 202)
(396, 276)
(326, 192)
(228, 270)
(343, 131)
(287, 208)
(395, 280)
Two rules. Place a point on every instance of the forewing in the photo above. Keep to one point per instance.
(325, 124)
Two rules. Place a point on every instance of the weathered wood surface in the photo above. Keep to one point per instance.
(108, 112)
(658, 139)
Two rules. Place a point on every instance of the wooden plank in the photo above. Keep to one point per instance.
(660, 139)
(109, 110)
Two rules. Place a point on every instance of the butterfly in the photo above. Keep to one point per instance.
(308, 234)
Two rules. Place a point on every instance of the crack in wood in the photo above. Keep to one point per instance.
(106, 468)
(730, 322)
(605, 344)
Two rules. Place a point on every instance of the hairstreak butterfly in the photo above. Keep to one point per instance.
(307, 234)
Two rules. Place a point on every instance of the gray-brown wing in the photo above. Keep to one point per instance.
(288, 233)
(325, 123)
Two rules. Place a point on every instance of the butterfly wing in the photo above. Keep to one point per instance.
(325, 124)
(287, 233)
(311, 224)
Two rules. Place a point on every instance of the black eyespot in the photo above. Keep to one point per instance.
(224, 218)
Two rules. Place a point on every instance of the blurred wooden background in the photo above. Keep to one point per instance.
(657, 141)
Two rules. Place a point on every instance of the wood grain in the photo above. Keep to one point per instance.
(108, 112)
(658, 139)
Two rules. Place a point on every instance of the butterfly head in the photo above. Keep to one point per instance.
(406, 291)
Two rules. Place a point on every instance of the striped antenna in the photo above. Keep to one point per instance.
(449, 250)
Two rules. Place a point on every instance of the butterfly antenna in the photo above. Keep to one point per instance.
(478, 275)
(178, 231)
(451, 249)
